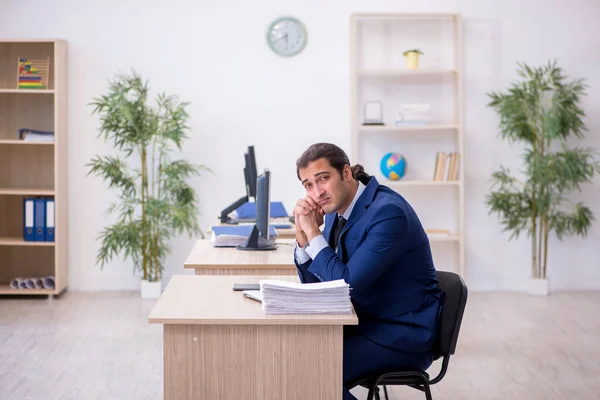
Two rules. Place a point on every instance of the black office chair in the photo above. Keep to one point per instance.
(454, 297)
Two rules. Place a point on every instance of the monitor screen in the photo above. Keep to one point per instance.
(260, 237)
(250, 183)
(250, 172)
(263, 204)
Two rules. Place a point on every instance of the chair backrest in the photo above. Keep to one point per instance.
(454, 296)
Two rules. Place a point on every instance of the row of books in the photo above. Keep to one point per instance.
(446, 166)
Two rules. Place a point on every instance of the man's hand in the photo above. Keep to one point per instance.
(309, 217)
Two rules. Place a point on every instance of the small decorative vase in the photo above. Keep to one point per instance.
(412, 60)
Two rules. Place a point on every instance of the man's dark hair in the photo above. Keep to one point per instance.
(336, 157)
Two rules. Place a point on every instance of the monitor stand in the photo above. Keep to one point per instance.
(252, 242)
(224, 218)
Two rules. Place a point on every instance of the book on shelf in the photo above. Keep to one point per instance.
(446, 166)
(35, 135)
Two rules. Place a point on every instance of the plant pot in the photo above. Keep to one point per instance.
(151, 290)
(412, 60)
(538, 287)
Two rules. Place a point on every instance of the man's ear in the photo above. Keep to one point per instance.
(347, 172)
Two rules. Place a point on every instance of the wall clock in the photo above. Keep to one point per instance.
(287, 36)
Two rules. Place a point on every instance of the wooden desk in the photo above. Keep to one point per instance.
(209, 260)
(219, 344)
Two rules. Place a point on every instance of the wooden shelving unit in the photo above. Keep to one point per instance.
(32, 169)
(379, 72)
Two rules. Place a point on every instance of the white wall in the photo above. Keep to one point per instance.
(213, 53)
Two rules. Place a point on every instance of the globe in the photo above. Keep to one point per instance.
(393, 166)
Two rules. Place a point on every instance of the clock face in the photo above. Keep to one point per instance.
(287, 36)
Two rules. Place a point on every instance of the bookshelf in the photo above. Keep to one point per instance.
(379, 72)
(32, 168)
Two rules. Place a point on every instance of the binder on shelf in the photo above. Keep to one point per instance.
(39, 221)
(28, 219)
(49, 229)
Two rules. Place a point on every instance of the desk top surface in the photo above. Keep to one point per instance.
(204, 255)
(210, 300)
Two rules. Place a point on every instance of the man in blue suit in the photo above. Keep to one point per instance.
(374, 240)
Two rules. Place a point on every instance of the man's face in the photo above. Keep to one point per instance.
(325, 186)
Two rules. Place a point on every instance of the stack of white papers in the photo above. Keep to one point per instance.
(282, 297)
(233, 235)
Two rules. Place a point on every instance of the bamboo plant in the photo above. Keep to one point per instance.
(155, 201)
(543, 113)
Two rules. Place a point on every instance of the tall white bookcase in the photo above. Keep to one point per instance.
(33, 169)
(379, 73)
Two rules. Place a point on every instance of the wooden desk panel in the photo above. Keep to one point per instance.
(219, 344)
(253, 362)
(208, 260)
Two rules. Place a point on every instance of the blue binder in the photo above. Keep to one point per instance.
(39, 220)
(50, 226)
(28, 225)
(239, 230)
(248, 210)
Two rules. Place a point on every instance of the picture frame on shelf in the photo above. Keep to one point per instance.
(373, 113)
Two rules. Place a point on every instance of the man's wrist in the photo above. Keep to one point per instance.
(302, 242)
(312, 233)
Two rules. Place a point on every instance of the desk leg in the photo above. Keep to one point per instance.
(262, 362)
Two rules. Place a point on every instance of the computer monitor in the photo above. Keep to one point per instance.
(250, 182)
(250, 172)
(259, 238)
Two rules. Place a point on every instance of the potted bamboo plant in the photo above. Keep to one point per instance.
(155, 201)
(412, 58)
(542, 112)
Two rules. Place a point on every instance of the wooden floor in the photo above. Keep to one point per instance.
(99, 346)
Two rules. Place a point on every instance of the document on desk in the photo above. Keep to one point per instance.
(253, 294)
(233, 235)
(283, 297)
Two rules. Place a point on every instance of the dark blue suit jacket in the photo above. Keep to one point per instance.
(386, 259)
